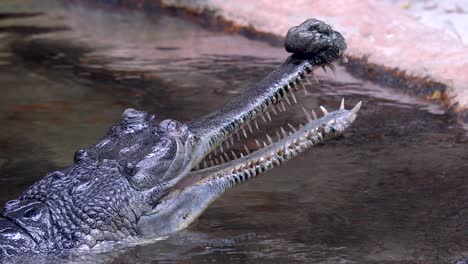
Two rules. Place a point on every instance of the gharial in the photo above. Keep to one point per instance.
(149, 178)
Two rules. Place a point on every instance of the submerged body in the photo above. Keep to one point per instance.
(148, 178)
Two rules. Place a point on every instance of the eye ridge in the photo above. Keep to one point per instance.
(173, 127)
(30, 213)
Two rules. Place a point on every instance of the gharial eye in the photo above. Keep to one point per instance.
(172, 126)
(30, 213)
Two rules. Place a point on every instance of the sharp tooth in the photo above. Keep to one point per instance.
(205, 164)
(217, 161)
(222, 159)
(227, 157)
(293, 86)
(356, 107)
(269, 139)
(263, 118)
(231, 139)
(250, 128)
(280, 109)
(268, 115)
(332, 67)
(278, 135)
(273, 100)
(294, 98)
(274, 111)
(308, 81)
(247, 172)
(283, 132)
(244, 132)
(342, 104)
(238, 136)
(324, 69)
(292, 127)
(221, 148)
(233, 154)
(256, 124)
(314, 114)
(212, 163)
(315, 78)
(242, 155)
(283, 106)
(264, 144)
(325, 112)
(247, 150)
(319, 135)
(344, 59)
(309, 118)
(305, 89)
(258, 144)
(287, 99)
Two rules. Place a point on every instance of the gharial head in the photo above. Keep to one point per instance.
(111, 186)
(148, 178)
(151, 154)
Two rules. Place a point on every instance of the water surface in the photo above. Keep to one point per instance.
(392, 190)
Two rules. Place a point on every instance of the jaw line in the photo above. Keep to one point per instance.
(311, 133)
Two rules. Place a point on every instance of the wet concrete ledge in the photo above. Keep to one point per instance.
(385, 44)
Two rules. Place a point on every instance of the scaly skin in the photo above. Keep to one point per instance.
(148, 178)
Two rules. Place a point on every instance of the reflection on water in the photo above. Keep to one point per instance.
(393, 190)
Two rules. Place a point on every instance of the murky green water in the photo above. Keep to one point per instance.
(393, 190)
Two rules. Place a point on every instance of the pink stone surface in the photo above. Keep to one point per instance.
(383, 32)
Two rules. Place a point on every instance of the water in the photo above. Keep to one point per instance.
(393, 190)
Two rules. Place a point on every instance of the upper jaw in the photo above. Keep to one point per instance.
(313, 44)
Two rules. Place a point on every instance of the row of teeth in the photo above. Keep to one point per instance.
(219, 156)
(244, 172)
(278, 106)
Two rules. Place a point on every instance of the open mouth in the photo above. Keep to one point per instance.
(234, 160)
(314, 44)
